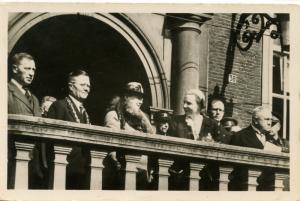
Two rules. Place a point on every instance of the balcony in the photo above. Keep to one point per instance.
(25, 131)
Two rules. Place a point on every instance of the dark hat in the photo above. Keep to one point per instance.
(134, 88)
(162, 117)
(229, 122)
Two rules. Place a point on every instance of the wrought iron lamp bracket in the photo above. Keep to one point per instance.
(247, 34)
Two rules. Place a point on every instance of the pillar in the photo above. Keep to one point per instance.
(132, 161)
(60, 165)
(280, 178)
(97, 158)
(186, 53)
(163, 174)
(224, 173)
(23, 151)
(253, 174)
(195, 169)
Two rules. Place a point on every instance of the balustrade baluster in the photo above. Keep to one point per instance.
(60, 164)
(253, 174)
(23, 151)
(195, 169)
(279, 181)
(163, 180)
(97, 158)
(132, 162)
(224, 173)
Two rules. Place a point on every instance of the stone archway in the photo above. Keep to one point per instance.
(22, 24)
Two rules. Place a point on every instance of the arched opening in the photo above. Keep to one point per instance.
(64, 43)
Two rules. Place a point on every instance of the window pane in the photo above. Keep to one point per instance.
(278, 111)
(288, 120)
(277, 75)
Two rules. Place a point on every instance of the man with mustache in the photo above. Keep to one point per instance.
(71, 108)
(22, 101)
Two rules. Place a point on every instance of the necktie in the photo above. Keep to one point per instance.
(28, 96)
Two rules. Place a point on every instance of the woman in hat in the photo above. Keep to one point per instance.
(162, 122)
(125, 113)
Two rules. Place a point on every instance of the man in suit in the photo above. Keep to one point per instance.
(71, 109)
(258, 135)
(22, 101)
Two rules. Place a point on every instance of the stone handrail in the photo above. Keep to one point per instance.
(25, 129)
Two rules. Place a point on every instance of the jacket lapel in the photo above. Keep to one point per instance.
(18, 94)
(253, 138)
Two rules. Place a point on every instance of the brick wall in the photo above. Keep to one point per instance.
(224, 56)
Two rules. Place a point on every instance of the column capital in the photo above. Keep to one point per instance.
(23, 150)
(188, 21)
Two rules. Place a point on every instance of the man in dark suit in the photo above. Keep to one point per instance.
(22, 101)
(71, 109)
(258, 135)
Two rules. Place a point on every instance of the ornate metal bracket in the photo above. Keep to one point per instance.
(251, 27)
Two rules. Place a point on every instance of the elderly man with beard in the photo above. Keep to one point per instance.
(126, 114)
(71, 108)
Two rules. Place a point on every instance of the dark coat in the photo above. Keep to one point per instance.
(239, 177)
(19, 104)
(77, 169)
(179, 128)
(62, 111)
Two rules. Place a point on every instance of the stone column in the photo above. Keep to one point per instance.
(163, 174)
(253, 174)
(279, 179)
(186, 54)
(97, 158)
(195, 169)
(132, 161)
(60, 164)
(23, 151)
(224, 173)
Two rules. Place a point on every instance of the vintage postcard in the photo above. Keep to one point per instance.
(149, 101)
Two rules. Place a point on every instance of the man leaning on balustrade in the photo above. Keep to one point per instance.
(259, 135)
(71, 109)
(194, 125)
(125, 113)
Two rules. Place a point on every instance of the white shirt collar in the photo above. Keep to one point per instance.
(76, 102)
(18, 85)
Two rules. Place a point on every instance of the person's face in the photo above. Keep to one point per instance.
(24, 71)
(80, 87)
(217, 110)
(190, 105)
(163, 127)
(133, 103)
(264, 120)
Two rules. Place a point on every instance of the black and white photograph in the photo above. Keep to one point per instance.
(158, 101)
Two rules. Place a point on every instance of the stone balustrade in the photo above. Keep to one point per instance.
(25, 132)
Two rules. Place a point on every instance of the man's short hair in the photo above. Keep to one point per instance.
(15, 60)
(258, 110)
(76, 73)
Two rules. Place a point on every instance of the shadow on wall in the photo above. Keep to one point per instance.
(219, 93)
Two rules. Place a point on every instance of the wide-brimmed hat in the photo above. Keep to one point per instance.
(162, 117)
(229, 122)
(135, 88)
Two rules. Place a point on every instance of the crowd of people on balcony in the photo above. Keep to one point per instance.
(124, 113)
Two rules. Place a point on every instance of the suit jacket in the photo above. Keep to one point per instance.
(61, 110)
(247, 138)
(19, 104)
(179, 128)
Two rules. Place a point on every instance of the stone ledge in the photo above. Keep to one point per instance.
(66, 132)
